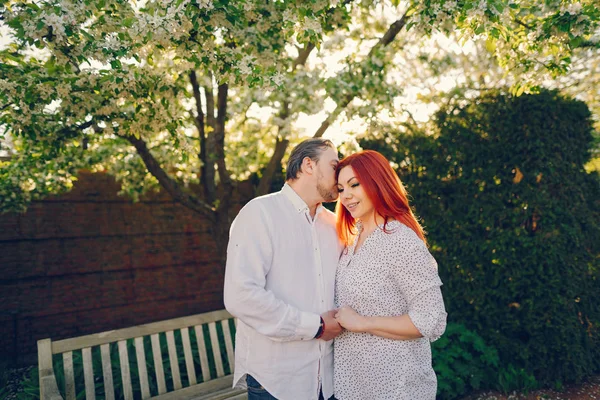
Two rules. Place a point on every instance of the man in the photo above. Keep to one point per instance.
(280, 278)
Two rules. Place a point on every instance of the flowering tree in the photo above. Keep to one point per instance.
(173, 92)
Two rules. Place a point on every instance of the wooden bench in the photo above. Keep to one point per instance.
(182, 358)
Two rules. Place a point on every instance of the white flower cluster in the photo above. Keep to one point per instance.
(246, 64)
(312, 24)
(278, 78)
(166, 24)
(572, 9)
(7, 87)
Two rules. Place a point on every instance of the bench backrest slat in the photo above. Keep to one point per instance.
(158, 364)
(88, 373)
(228, 344)
(141, 363)
(61, 346)
(202, 353)
(214, 341)
(109, 389)
(187, 351)
(125, 374)
(69, 376)
(174, 361)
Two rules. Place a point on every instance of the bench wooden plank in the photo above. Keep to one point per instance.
(88, 374)
(174, 361)
(125, 373)
(142, 371)
(158, 364)
(202, 391)
(214, 341)
(109, 389)
(203, 354)
(189, 360)
(228, 344)
(69, 376)
(62, 346)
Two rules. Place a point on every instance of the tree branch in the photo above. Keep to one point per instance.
(220, 137)
(518, 21)
(391, 34)
(199, 122)
(386, 39)
(210, 188)
(281, 143)
(303, 55)
(172, 187)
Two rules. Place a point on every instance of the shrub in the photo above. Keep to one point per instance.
(514, 223)
(463, 362)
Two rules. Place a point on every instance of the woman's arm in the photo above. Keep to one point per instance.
(397, 328)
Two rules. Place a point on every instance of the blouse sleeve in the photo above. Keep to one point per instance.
(416, 274)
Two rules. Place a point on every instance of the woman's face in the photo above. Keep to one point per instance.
(352, 195)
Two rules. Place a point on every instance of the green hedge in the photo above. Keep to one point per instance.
(514, 223)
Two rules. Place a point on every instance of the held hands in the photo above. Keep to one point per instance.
(350, 319)
(332, 328)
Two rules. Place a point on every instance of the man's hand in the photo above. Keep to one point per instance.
(332, 328)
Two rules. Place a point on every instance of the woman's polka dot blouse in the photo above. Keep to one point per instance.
(392, 274)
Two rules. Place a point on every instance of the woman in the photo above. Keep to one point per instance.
(387, 288)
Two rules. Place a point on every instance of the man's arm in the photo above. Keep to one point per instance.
(249, 256)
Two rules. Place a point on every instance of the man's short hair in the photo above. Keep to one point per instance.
(311, 148)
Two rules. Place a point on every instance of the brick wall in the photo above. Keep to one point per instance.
(91, 261)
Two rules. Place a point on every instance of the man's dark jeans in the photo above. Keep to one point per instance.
(257, 392)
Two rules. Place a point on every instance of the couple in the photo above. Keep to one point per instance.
(298, 276)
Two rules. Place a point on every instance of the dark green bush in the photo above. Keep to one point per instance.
(463, 362)
(514, 223)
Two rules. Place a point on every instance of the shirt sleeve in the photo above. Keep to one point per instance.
(416, 273)
(249, 258)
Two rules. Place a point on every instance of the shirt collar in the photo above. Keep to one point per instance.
(296, 200)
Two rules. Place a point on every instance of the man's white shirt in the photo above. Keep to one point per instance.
(279, 278)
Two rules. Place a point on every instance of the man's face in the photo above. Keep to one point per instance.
(325, 172)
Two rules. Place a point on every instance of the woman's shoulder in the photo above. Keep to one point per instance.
(400, 235)
(398, 230)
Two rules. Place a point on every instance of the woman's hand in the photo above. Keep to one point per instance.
(350, 319)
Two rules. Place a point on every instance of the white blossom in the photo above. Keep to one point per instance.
(573, 9)
(205, 4)
(312, 25)
(450, 5)
(278, 78)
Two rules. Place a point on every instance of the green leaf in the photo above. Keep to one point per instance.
(490, 44)
(116, 64)
(575, 42)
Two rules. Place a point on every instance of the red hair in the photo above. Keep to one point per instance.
(383, 187)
